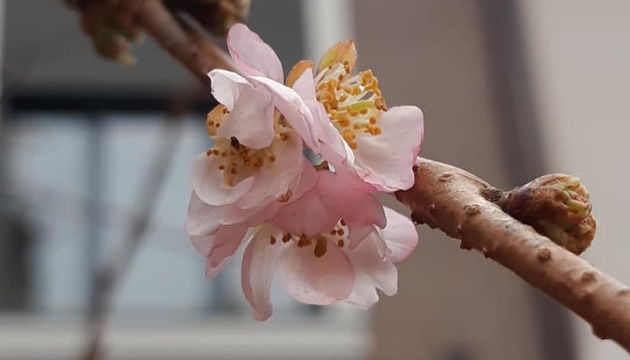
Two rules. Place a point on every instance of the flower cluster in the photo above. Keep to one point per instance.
(314, 224)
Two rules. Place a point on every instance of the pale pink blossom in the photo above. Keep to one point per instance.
(384, 142)
(324, 268)
(318, 229)
(259, 132)
(218, 231)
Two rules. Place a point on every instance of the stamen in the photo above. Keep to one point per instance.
(354, 103)
(272, 240)
(234, 142)
(286, 196)
(303, 241)
(321, 246)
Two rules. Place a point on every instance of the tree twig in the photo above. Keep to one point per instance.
(183, 42)
(450, 199)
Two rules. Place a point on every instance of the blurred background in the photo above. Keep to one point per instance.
(510, 89)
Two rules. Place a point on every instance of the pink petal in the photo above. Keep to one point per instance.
(257, 273)
(202, 218)
(251, 119)
(369, 259)
(227, 86)
(291, 105)
(329, 201)
(346, 197)
(226, 241)
(305, 85)
(400, 235)
(309, 215)
(269, 208)
(208, 183)
(249, 51)
(388, 158)
(312, 280)
(209, 242)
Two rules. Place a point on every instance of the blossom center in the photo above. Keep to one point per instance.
(319, 243)
(354, 103)
(235, 160)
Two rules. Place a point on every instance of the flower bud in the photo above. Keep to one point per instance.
(557, 206)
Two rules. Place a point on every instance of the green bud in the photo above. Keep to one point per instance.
(557, 206)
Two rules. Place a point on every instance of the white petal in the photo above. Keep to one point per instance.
(275, 178)
(227, 86)
(364, 293)
(368, 258)
(251, 119)
(253, 54)
(208, 183)
(291, 105)
(388, 158)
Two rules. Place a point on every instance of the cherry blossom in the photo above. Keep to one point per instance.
(318, 229)
(385, 141)
(259, 132)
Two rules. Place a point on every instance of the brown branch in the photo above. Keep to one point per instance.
(451, 199)
(113, 23)
(180, 41)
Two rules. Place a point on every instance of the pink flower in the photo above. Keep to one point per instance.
(324, 268)
(259, 132)
(218, 231)
(319, 229)
(384, 142)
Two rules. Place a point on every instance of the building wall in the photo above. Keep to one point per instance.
(580, 51)
(452, 304)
